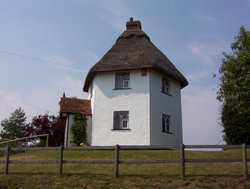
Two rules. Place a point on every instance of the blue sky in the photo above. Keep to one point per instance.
(74, 35)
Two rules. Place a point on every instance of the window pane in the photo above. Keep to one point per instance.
(163, 124)
(165, 86)
(116, 120)
(125, 76)
(118, 81)
(124, 124)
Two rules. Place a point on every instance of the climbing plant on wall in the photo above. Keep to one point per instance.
(79, 130)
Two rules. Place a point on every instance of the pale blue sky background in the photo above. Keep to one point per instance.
(192, 33)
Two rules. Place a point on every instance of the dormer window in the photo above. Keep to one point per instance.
(122, 80)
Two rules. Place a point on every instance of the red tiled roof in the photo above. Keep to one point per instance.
(75, 106)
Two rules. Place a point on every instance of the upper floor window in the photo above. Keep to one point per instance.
(122, 80)
(166, 86)
(166, 123)
(121, 120)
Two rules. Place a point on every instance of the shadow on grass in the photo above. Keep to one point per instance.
(130, 175)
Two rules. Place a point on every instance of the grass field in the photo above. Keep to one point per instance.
(199, 175)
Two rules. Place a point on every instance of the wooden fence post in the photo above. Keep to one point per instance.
(47, 140)
(26, 143)
(117, 147)
(244, 160)
(7, 159)
(182, 160)
(61, 160)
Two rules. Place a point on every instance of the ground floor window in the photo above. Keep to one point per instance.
(121, 120)
(166, 123)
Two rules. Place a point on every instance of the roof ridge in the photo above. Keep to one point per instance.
(134, 32)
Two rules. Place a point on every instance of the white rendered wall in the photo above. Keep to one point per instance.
(89, 129)
(68, 135)
(161, 103)
(106, 100)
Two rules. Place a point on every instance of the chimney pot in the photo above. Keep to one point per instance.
(133, 25)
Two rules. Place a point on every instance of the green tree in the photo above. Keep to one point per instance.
(234, 90)
(14, 126)
(45, 124)
(78, 130)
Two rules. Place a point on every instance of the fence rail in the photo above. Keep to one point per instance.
(116, 162)
(26, 138)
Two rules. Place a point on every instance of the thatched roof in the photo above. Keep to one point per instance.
(75, 106)
(134, 50)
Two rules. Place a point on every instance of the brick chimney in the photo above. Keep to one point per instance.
(133, 25)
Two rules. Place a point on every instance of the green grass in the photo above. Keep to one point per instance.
(228, 175)
(103, 181)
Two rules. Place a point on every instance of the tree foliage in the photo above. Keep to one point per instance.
(45, 124)
(14, 126)
(78, 129)
(234, 90)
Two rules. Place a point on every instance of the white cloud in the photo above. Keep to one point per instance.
(10, 102)
(207, 58)
(209, 47)
(89, 58)
(71, 86)
(47, 99)
(201, 116)
(114, 11)
(62, 61)
(41, 99)
(201, 110)
(207, 19)
(196, 76)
